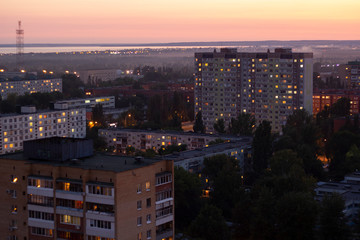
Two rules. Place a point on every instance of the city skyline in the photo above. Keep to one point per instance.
(179, 21)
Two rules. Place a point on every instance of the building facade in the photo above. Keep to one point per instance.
(120, 139)
(106, 102)
(327, 97)
(31, 124)
(98, 197)
(21, 87)
(269, 85)
(193, 160)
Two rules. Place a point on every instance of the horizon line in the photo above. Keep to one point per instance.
(171, 43)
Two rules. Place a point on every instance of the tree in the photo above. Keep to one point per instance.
(187, 197)
(286, 175)
(199, 126)
(340, 108)
(337, 148)
(332, 219)
(242, 125)
(219, 126)
(301, 134)
(224, 177)
(296, 216)
(263, 218)
(98, 115)
(209, 224)
(262, 146)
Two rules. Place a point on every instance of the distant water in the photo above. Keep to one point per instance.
(54, 49)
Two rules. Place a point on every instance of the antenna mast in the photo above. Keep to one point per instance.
(19, 47)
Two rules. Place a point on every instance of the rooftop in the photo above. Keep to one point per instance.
(96, 162)
(202, 152)
(230, 137)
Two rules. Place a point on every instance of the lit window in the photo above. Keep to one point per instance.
(5, 133)
(11, 145)
(6, 139)
(40, 116)
(147, 186)
(40, 129)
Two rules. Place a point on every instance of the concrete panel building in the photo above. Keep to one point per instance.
(30, 124)
(121, 138)
(20, 87)
(106, 102)
(269, 85)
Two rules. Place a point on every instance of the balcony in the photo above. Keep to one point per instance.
(78, 196)
(164, 219)
(35, 222)
(48, 192)
(164, 234)
(104, 216)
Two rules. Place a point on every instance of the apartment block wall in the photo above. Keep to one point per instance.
(124, 220)
(121, 139)
(269, 85)
(20, 87)
(16, 128)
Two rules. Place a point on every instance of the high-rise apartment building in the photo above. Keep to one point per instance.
(20, 87)
(30, 124)
(48, 193)
(269, 85)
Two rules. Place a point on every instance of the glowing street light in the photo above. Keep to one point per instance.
(44, 71)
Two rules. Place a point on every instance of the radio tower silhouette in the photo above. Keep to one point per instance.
(19, 47)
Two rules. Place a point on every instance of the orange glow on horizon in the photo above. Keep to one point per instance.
(112, 21)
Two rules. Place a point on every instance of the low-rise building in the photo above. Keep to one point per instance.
(50, 195)
(121, 138)
(192, 160)
(21, 87)
(327, 97)
(30, 124)
(106, 102)
(348, 189)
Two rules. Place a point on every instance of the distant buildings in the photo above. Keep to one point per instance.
(269, 85)
(193, 160)
(327, 97)
(120, 139)
(348, 189)
(30, 124)
(353, 74)
(94, 197)
(94, 76)
(21, 87)
(106, 102)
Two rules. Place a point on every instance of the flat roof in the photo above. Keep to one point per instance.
(232, 137)
(98, 161)
(202, 152)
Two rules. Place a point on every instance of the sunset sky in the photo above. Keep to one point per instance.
(145, 21)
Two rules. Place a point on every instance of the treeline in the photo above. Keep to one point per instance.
(156, 112)
(72, 88)
(273, 196)
(39, 100)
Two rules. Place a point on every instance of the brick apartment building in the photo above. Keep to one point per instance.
(50, 192)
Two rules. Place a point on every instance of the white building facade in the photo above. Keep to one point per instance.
(30, 125)
(21, 87)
